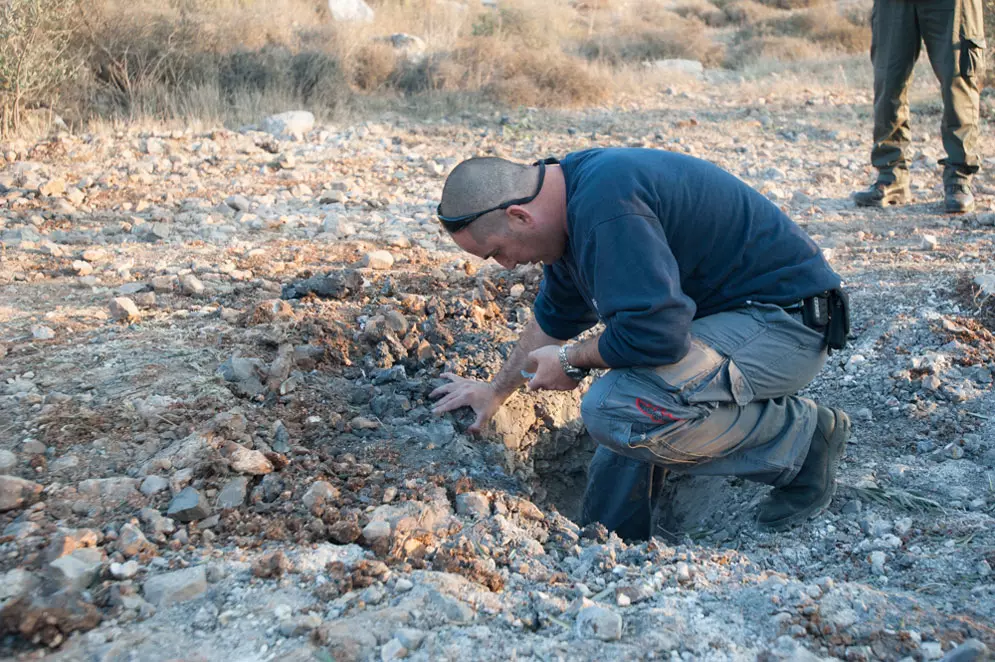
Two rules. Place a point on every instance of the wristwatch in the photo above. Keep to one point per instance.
(573, 372)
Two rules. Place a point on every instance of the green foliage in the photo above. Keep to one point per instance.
(35, 37)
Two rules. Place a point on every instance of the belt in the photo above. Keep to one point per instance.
(810, 304)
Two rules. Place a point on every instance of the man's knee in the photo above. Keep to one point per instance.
(614, 406)
(597, 420)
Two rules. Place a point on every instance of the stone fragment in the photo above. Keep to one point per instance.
(76, 571)
(929, 242)
(42, 332)
(232, 495)
(971, 650)
(473, 504)
(599, 623)
(48, 619)
(17, 582)
(124, 309)
(344, 532)
(112, 491)
(393, 650)
(238, 202)
(319, 493)
(8, 460)
(292, 124)
(273, 310)
(17, 492)
(452, 609)
(67, 541)
(132, 542)
(274, 564)
(125, 570)
(246, 461)
(164, 284)
(349, 643)
(378, 260)
(153, 485)
(191, 285)
(410, 637)
(188, 506)
(376, 531)
(177, 586)
(53, 187)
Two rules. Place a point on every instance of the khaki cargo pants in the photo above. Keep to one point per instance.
(727, 408)
(954, 35)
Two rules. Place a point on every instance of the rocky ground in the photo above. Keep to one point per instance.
(216, 439)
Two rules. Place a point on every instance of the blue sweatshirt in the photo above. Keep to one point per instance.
(658, 239)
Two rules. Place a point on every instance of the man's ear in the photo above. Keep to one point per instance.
(519, 217)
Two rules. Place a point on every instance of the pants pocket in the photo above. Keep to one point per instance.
(972, 56)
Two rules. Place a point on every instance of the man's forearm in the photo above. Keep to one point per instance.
(510, 376)
(586, 354)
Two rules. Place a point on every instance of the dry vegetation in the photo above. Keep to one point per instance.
(230, 60)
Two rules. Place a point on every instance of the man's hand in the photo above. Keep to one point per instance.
(482, 397)
(549, 373)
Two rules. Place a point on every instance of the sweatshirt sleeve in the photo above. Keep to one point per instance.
(636, 286)
(559, 308)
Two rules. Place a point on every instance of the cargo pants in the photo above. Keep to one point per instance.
(727, 408)
(954, 35)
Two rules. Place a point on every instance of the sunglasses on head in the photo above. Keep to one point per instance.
(454, 224)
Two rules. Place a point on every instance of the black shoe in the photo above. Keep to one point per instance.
(813, 488)
(958, 199)
(883, 194)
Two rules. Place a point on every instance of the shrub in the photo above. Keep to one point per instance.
(648, 44)
(822, 26)
(35, 41)
(373, 65)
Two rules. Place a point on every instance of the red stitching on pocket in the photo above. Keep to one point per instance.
(656, 413)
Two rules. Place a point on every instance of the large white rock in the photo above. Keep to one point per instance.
(350, 10)
(292, 124)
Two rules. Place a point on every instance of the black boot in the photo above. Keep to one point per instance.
(883, 194)
(812, 489)
(958, 198)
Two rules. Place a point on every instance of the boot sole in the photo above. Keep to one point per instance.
(890, 200)
(837, 442)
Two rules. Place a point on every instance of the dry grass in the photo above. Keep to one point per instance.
(233, 60)
(801, 35)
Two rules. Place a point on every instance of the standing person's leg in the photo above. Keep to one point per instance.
(722, 410)
(895, 45)
(953, 31)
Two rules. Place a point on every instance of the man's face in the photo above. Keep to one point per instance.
(510, 241)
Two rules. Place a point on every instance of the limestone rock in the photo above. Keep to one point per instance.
(350, 10)
(17, 492)
(599, 623)
(124, 309)
(176, 586)
(246, 461)
(191, 285)
(292, 124)
(188, 506)
(473, 504)
(232, 495)
(378, 260)
(318, 493)
(132, 542)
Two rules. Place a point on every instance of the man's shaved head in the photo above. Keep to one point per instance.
(480, 183)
